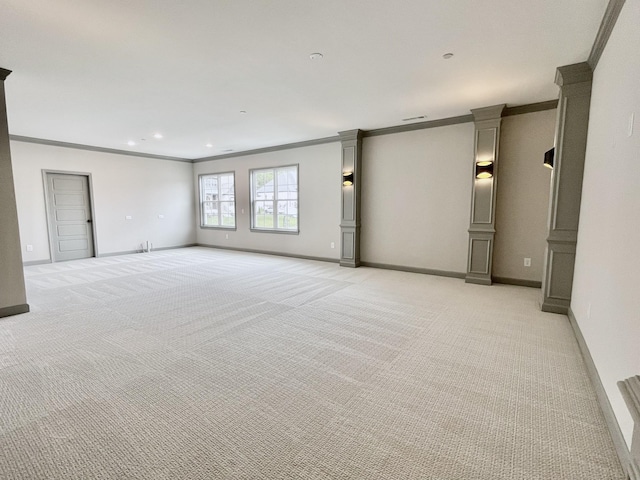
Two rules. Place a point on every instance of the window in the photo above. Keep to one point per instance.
(218, 200)
(274, 199)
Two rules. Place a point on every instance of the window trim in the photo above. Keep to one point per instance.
(200, 202)
(277, 230)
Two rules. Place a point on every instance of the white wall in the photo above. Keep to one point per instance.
(606, 287)
(319, 202)
(122, 185)
(416, 197)
(522, 201)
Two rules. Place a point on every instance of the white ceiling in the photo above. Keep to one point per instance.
(101, 73)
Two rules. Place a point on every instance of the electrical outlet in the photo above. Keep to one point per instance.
(29, 248)
(527, 262)
(333, 244)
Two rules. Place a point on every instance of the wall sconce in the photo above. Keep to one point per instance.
(484, 169)
(548, 158)
(347, 178)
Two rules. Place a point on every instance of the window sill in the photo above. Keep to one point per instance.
(211, 227)
(270, 230)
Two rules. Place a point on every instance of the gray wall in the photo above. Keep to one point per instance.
(523, 195)
(606, 287)
(319, 202)
(122, 185)
(416, 195)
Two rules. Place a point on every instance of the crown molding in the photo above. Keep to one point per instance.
(609, 20)
(275, 148)
(91, 148)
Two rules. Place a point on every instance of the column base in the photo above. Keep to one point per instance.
(478, 280)
(14, 310)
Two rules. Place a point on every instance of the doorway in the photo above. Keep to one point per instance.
(68, 199)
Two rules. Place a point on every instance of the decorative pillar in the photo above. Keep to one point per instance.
(350, 217)
(630, 389)
(566, 185)
(483, 197)
(13, 298)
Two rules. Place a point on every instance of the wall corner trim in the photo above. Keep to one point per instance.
(603, 400)
(609, 20)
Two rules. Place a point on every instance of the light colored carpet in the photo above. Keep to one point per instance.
(207, 364)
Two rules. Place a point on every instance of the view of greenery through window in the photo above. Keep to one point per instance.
(274, 198)
(217, 200)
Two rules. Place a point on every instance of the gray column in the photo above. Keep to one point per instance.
(483, 197)
(566, 185)
(350, 217)
(13, 298)
(630, 389)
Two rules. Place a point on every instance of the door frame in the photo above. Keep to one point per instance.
(46, 172)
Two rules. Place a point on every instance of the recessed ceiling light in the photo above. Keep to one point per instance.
(447, 56)
(208, 145)
(316, 56)
(131, 143)
(243, 112)
(419, 117)
(157, 135)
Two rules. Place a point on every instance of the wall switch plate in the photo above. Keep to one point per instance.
(226, 235)
(527, 262)
(29, 248)
(128, 217)
(631, 119)
(242, 211)
(333, 244)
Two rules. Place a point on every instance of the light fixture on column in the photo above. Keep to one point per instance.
(548, 158)
(484, 169)
(347, 178)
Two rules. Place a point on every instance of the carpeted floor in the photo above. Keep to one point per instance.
(207, 364)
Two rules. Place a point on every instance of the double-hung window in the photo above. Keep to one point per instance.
(218, 200)
(274, 199)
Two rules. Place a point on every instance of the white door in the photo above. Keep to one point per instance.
(70, 220)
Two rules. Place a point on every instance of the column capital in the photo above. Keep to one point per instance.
(493, 112)
(576, 73)
(4, 73)
(350, 135)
